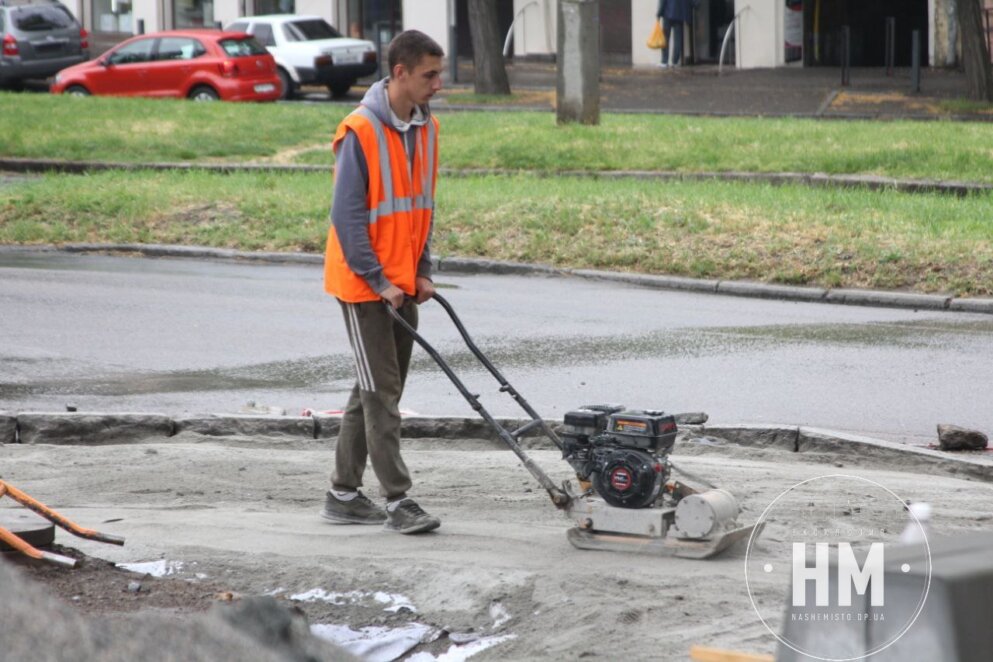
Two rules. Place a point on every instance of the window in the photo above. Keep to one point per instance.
(112, 15)
(242, 47)
(179, 48)
(263, 32)
(193, 14)
(133, 53)
(237, 27)
(41, 18)
(309, 30)
(263, 7)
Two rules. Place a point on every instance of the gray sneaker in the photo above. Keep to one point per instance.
(408, 517)
(359, 510)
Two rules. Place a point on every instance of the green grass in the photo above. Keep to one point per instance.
(45, 126)
(790, 234)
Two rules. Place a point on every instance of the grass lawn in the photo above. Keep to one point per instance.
(45, 126)
(790, 234)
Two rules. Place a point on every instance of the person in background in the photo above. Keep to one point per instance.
(674, 13)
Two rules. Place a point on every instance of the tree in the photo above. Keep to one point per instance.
(491, 74)
(975, 50)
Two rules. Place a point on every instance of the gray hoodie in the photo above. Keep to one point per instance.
(349, 213)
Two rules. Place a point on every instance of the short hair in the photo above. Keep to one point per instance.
(408, 47)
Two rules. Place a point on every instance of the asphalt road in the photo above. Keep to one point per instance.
(185, 336)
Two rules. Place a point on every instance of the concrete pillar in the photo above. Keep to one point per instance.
(430, 17)
(578, 85)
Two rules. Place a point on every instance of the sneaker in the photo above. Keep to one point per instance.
(663, 65)
(408, 517)
(359, 510)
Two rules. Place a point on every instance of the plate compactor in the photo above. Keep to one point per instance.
(624, 497)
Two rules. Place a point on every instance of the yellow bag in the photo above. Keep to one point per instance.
(657, 39)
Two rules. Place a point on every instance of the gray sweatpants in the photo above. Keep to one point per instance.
(370, 427)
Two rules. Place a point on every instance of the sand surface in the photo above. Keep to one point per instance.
(243, 513)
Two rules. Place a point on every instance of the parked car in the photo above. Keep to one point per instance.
(203, 65)
(309, 51)
(38, 37)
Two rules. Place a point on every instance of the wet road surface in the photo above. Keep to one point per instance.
(183, 336)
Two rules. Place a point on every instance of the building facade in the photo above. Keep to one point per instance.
(767, 33)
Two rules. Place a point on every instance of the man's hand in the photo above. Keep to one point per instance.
(394, 296)
(425, 289)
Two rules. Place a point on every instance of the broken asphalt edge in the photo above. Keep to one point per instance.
(463, 265)
(85, 428)
(817, 179)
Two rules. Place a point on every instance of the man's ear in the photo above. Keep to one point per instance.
(398, 69)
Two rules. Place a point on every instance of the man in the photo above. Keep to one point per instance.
(378, 254)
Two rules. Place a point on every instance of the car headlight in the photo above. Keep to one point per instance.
(58, 78)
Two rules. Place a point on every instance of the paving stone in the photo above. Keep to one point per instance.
(8, 428)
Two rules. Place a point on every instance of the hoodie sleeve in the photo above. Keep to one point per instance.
(350, 216)
(424, 264)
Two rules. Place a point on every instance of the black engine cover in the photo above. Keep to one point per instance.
(627, 478)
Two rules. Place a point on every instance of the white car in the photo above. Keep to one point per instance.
(309, 51)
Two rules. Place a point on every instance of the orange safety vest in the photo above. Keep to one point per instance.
(400, 207)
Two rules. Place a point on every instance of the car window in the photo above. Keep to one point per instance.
(309, 30)
(237, 27)
(179, 48)
(263, 32)
(133, 53)
(242, 47)
(42, 17)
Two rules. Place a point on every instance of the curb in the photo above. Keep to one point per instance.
(464, 265)
(63, 428)
(821, 180)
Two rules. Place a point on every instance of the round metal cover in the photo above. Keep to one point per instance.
(32, 529)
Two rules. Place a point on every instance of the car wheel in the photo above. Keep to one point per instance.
(204, 93)
(77, 91)
(288, 89)
(340, 89)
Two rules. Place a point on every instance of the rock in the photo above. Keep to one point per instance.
(8, 428)
(691, 418)
(248, 426)
(91, 428)
(134, 587)
(955, 438)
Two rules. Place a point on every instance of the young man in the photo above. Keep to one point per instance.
(378, 254)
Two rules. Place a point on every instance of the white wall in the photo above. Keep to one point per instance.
(534, 29)
(320, 8)
(642, 18)
(227, 11)
(430, 17)
(150, 11)
(759, 34)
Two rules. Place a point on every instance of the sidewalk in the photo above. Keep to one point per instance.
(788, 91)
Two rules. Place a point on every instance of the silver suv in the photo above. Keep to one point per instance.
(38, 38)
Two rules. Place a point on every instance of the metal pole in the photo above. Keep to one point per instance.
(846, 42)
(141, 26)
(915, 63)
(890, 44)
(453, 42)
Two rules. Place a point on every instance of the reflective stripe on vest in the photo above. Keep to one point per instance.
(390, 204)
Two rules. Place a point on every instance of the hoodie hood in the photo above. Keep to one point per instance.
(378, 102)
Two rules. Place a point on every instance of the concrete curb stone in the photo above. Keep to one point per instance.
(8, 428)
(443, 427)
(220, 425)
(91, 427)
(971, 305)
(647, 280)
(757, 435)
(813, 440)
(769, 291)
(889, 299)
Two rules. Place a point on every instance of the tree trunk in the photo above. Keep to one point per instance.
(490, 73)
(975, 50)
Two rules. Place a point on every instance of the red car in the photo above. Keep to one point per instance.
(203, 65)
